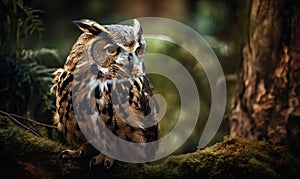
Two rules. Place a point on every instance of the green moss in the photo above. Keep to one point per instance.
(232, 158)
(19, 148)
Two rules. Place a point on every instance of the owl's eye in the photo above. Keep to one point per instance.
(112, 51)
(137, 50)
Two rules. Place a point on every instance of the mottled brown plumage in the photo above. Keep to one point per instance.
(103, 80)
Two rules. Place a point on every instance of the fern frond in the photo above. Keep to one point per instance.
(21, 77)
(39, 54)
(15, 85)
(31, 22)
(18, 21)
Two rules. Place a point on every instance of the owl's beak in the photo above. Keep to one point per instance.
(133, 65)
(135, 59)
(129, 63)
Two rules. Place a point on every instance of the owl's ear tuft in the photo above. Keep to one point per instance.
(137, 28)
(90, 26)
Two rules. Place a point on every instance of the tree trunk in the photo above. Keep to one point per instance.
(267, 103)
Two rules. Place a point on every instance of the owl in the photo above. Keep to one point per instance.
(102, 87)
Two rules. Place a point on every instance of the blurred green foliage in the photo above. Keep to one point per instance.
(24, 79)
(168, 90)
(222, 23)
(18, 21)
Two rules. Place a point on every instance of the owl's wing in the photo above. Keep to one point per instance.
(128, 109)
(64, 115)
(133, 103)
(133, 106)
(143, 102)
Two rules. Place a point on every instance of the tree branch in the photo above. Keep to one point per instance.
(24, 154)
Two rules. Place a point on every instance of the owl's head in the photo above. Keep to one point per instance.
(117, 50)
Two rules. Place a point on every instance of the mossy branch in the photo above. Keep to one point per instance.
(24, 154)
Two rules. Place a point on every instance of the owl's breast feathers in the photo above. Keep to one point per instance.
(125, 106)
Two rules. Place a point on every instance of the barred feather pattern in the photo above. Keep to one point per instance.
(124, 105)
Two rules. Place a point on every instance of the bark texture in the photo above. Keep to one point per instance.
(267, 104)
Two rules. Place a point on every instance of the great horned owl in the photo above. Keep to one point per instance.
(109, 61)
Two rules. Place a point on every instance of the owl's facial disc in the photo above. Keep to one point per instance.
(119, 52)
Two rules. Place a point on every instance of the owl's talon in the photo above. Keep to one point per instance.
(80, 155)
(91, 163)
(62, 153)
(106, 164)
(69, 154)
